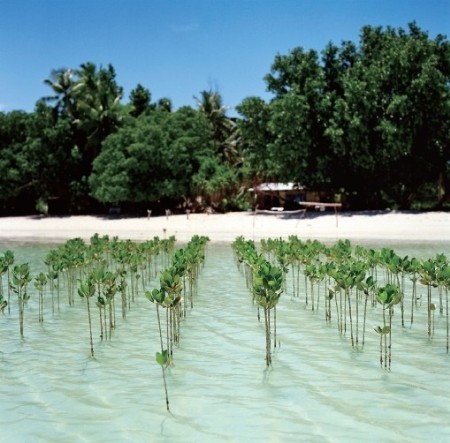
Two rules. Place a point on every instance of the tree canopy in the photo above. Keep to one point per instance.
(368, 120)
(152, 157)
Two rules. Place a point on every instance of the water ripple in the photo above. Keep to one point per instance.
(320, 389)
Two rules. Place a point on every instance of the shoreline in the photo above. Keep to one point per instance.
(325, 226)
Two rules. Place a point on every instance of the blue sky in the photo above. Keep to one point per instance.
(177, 48)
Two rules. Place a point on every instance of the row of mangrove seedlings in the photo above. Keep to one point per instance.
(266, 282)
(178, 287)
(104, 272)
(343, 281)
(348, 281)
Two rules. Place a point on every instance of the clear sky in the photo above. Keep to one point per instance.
(177, 48)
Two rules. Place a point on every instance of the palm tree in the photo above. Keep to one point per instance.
(224, 129)
(90, 99)
(62, 82)
(98, 103)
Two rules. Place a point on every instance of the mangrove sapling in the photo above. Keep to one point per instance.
(8, 260)
(283, 257)
(75, 261)
(329, 268)
(358, 274)
(413, 272)
(167, 248)
(403, 268)
(447, 286)
(86, 291)
(51, 278)
(295, 267)
(328, 297)
(311, 273)
(101, 304)
(267, 288)
(428, 278)
(339, 275)
(395, 266)
(443, 279)
(122, 288)
(20, 279)
(371, 259)
(105, 284)
(192, 271)
(180, 263)
(97, 276)
(3, 270)
(171, 286)
(348, 276)
(40, 281)
(123, 256)
(150, 250)
(157, 297)
(109, 291)
(315, 273)
(194, 256)
(134, 276)
(368, 288)
(382, 332)
(441, 262)
(50, 258)
(162, 358)
(57, 268)
(388, 296)
(295, 246)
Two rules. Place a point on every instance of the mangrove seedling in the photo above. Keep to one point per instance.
(162, 358)
(428, 278)
(388, 296)
(20, 279)
(40, 282)
(267, 288)
(3, 270)
(86, 291)
(8, 260)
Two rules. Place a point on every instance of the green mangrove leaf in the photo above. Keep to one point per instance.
(162, 358)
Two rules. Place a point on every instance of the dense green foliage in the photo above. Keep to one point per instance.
(152, 157)
(369, 121)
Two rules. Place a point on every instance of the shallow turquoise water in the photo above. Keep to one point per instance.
(319, 390)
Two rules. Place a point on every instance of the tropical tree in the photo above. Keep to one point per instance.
(98, 109)
(390, 128)
(224, 129)
(62, 82)
(164, 104)
(140, 99)
(152, 158)
(89, 100)
(368, 120)
(16, 179)
(259, 160)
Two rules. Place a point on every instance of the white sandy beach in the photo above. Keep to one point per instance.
(402, 226)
